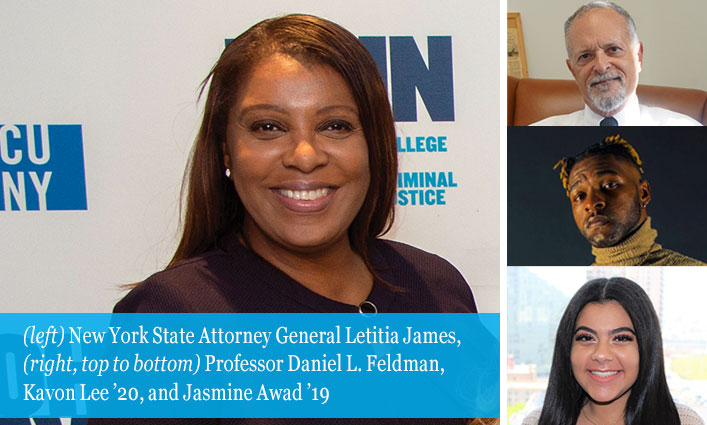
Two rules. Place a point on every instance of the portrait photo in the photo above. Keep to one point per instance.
(542, 224)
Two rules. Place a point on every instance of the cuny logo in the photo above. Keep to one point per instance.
(41, 167)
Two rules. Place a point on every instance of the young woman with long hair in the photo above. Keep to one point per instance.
(607, 367)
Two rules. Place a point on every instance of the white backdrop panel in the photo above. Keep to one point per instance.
(128, 73)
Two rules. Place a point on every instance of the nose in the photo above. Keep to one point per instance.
(594, 201)
(601, 63)
(304, 153)
(602, 352)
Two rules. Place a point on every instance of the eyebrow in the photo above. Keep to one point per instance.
(334, 107)
(611, 332)
(605, 172)
(599, 173)
(573, 185)
(258, 106)
(276, 108)
(612, 43)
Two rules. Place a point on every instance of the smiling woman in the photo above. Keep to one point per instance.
(299, 164)
(607, 367)
(604, 353)
(291, 182)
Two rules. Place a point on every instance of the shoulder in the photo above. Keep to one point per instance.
(688, 416)
(653, 115)
(394, 249)
(200, 284)
(410, 259)
(574, 118)
(666, 257)
(420, 272)
(532, 418)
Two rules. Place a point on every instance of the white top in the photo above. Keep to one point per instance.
(631, 114)
(687, 416)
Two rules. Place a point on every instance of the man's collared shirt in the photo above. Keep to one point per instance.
(631, 114)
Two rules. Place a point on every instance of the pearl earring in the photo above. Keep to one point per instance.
(228, 173)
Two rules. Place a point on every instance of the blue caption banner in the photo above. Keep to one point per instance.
(249, 365)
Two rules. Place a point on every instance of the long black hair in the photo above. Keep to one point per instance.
(650, 401)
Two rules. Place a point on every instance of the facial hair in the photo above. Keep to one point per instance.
(604, 101)
(621, 227)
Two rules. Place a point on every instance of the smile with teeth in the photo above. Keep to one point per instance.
(304, 195)
(603, 374)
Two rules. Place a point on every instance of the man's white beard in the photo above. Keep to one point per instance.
(603, 101)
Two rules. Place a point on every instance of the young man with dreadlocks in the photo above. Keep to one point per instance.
(609, 199)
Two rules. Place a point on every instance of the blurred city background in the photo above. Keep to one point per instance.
(537, 297)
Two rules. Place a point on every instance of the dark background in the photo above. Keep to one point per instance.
(541, 230)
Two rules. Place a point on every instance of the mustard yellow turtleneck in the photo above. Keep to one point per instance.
(640, 249)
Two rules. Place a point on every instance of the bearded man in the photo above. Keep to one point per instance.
(605, 57)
